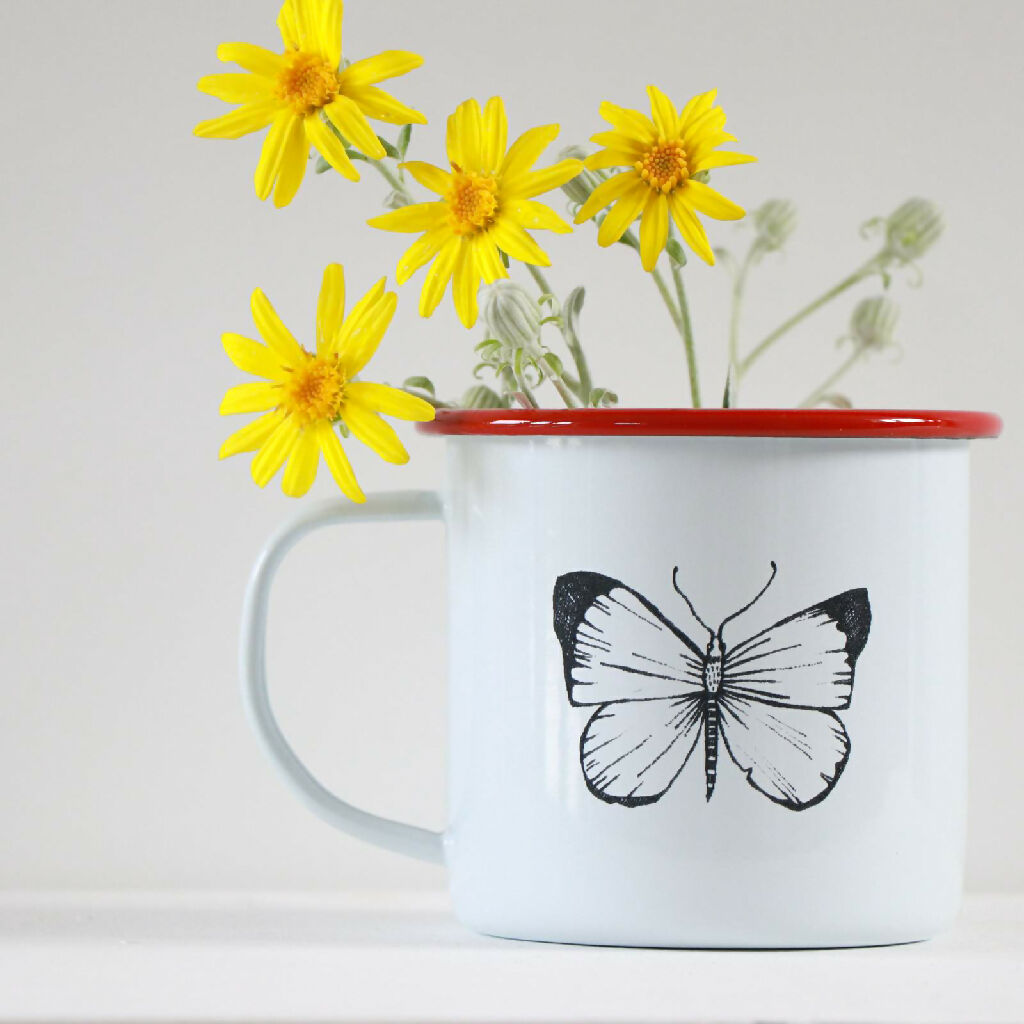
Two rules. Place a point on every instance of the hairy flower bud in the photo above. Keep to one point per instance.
(578, 189)
(774, 222)
(873, 322)
(512, 315)
(912, 229)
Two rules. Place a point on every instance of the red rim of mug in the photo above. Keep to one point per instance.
(912, 423)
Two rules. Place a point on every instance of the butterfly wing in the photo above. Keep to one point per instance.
(632, 751)
(616, 646)
(806, 660)
(794, 756)
(778, 698)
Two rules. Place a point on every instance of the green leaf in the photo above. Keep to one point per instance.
(322, 165)
(402, 145)
(676, 252)
(554, 363)
(391, 150)
(342, 429)
(420, 383)
(602, 398)
(571, 310)
(504, 258)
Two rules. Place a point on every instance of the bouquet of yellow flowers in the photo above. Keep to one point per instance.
(476, 224)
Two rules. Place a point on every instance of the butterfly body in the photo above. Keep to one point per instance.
(712, 683)
(770, 699)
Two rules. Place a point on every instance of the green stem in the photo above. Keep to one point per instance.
(858, 275)
(739, 285)
(684, 316)
(396, 183)
(822, 389)
(559, 385)
(572, 343)
(517, 388)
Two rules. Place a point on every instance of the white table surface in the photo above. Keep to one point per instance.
(393, 957)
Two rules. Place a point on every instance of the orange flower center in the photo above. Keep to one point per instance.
(472, 202)
(307, 82)
(315, 391)
(664, 166)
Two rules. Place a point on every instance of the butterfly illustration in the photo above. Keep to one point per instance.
(772, 698)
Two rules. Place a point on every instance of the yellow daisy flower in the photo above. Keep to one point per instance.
(663, 155)
(487, 202)
(294, 91)
(307, 393)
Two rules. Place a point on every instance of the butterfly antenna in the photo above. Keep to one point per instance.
(689, 603)
(747, 607)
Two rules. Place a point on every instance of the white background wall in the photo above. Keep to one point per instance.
(127, 247)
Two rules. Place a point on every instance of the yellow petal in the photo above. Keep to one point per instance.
(237, 88)
(706, 200)
(368, 427)
(619, 141)
(606, 193)
(418, 217)
(435, 284)
(463, 136)
(429, 176)
(330, 147)
(536, 216)
(363, 312)
(422, 251)
(253, 58)
(371, 70)
(252, 357)
(663, 112)
(631, 123)
(272, 154)
(346, 116)
(526, 150)
(330, 31)
(300, 472)
(689, 227)
(307, 29)
(536, 183)
(722, 159)
(365, 333)
(249, 118)
(254, 397)
(697, 107)
(466, 284)
(488, 259)
(382, 106)
(330, 306)
(513, 240)
(610, 158)
(622, 214)
(287, 25)
(653, 229)
(709, 123)
(251, 436)
(391, 401)
(269, 459)
(293, 164)
(337, 462)
(274, 332)
(495, 133)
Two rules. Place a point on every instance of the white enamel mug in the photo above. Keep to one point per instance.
(724, 703)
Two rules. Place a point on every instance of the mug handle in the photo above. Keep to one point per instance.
(400, 506)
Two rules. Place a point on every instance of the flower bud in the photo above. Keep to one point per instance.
(482, 397)
(512, 315)
(774, 222)
(578, 189)
(912, 229)
(873, 322)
